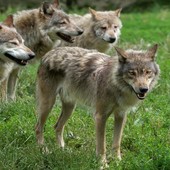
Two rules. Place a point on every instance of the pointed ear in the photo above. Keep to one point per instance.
(93, 13)
(121, 54)
(118, 11)
(152, 52)
(56, 3)
(47, 8)
(9, 21)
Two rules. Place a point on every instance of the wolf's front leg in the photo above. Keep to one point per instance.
(100, 123)
(120, 120)
(67, 109)
(12, 83)
(3, 90)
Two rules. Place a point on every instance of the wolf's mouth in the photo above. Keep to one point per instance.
(20, 62)
(65, 37)
(141, 96)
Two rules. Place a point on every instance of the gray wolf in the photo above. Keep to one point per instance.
(101, 30)
(108, 84)
(13, 52)
(40, 28)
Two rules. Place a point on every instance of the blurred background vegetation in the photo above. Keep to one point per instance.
(146, 138)
(127, 5)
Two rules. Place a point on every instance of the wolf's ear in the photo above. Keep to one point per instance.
(9, 21)
(47, 8)
(56, 3)
(121, 54)
(93, 13)
(152, 52)
(117, 12)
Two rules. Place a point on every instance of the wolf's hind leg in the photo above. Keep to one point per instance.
(46, 96)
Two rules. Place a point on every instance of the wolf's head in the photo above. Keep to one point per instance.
(107, 25)
(57, 23)
(12, 46)
(139, 70)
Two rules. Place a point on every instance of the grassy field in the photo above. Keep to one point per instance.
(146, 138)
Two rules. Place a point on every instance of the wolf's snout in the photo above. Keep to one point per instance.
(80, 32)
(32, 55)
(112, 40)
(143, 90)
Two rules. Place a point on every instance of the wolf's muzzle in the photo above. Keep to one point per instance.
(112, 40)
(31, 55)
(143, 90)
(80, 32)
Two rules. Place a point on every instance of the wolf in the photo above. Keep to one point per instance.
(101, 30)
(13, 52)
(88, 77)
(40, 28)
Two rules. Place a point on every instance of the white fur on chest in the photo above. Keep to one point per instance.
(126, 102)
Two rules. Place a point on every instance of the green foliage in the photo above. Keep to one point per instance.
(146, 138)
(9, 11)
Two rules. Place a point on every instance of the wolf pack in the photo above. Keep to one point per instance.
(74, 65)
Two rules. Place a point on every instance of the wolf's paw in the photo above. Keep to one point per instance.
(44, 150)
(104, 166)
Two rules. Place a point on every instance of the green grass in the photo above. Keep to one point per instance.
(146, 138)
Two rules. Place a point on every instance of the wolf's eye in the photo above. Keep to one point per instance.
(115, 27)
(14, 43)
(62, 22)
(148, 72)
(103, 28)
(131, 73)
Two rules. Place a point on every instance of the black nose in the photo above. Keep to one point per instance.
(31, 55)
(143, 90)
(80, 32)
(112, 40)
